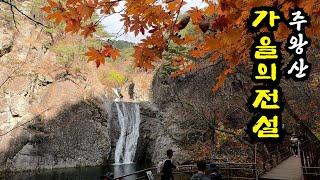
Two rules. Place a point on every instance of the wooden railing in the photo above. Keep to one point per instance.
(309, 150)
(141, 174)
(228, 170)
(274, 155)
(238, 170)
(184, 172)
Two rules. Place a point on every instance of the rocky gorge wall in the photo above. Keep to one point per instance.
(77, 136)
(184, 100)
(52, 116)
(49, 117)
(188, 103)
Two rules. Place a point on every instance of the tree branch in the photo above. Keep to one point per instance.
(175, 21)
(14, 19)
(12, 6)
(20, 125)
(213, 126)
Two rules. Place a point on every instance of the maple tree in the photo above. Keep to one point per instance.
(219, 28)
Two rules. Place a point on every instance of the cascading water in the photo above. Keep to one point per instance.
(129, 121)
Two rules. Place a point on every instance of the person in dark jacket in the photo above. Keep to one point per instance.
(131, 90)
(294, 144)
(215, 175)
(200, 175)
(168, 167)
(107, 176)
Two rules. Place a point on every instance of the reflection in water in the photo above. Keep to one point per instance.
(120, 170)
(87, 173)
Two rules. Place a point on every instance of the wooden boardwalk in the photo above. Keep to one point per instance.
(290, 169)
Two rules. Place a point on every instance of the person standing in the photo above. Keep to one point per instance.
(131, 90)
(294, 144)
(168, 166)
(215, 175)
(200, 175)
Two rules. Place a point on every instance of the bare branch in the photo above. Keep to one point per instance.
(12, 6)
(14, 19)
(20, 125)
(175, 21)
(213, 126)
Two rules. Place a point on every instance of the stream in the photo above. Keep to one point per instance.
(87, 173)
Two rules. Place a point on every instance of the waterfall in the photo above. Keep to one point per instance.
(129, 121)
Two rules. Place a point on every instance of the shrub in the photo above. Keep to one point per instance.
(112, 78)
(117, 77)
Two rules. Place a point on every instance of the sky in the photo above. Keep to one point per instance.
(113, 25)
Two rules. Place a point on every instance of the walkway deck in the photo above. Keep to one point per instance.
(289, 169)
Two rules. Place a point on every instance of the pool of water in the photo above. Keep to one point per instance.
(87, 173)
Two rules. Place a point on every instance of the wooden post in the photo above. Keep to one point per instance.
(299, 149)
(255, 161)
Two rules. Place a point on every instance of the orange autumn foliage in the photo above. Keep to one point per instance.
(220, 28)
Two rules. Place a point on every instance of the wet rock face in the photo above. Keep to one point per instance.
(182, 128)
(149, 116)
(153, 141)
(46, 122)
(75, 137)
(6, 48)
(148, 133)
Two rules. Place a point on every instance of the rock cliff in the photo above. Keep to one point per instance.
(188, 103)
(51, 116)
(55, 108)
